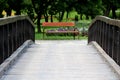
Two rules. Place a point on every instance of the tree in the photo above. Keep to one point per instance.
(88, 7)
(94, 8)
(70, 6)
(16, 5)
(28, 9)
(3, 4)
(80, 7)
(40, 7)
(61, 8)
(48, 7)
(110, 5)
(52, 10)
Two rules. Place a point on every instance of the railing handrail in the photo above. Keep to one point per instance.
(12, 19)
(107, 20)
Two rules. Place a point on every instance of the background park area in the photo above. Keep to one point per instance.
(81, 12)
(81, 25)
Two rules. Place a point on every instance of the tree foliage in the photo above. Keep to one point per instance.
(16, 5)
(37, 9)
(88, 7)
(3, 4)
(110, 5)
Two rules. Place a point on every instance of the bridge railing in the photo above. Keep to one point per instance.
(106, 32)
(14, 31)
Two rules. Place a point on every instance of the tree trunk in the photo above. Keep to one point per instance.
(61, 16)
(81, 16)
(67, 15)
(18, 12)
(113, 12)
(39, 15)
(8, 12)
(92, 16)
(1, 14)
(87, 17)
(51, 18)
(38, 23)
(107, 11)
(46, 17)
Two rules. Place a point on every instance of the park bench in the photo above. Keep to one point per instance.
(69, 28)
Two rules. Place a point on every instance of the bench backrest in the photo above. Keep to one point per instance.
(58, 24)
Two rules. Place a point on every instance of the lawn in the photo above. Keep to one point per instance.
(39, 36)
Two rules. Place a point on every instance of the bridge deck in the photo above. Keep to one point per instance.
(60, 60)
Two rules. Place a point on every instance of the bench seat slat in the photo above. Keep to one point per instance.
(45, 24)
(62, 31)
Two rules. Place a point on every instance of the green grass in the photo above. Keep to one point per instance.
(39, 36)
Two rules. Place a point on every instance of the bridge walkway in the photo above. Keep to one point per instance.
(60, 60)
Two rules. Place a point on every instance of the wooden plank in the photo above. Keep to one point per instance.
(62, 31)
(45, 24)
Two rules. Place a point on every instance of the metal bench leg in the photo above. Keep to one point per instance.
(43, 33)
(74, 36)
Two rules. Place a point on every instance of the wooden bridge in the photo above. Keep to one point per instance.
(23, 58)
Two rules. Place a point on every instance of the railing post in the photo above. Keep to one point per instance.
(99, 40)
(102, 45)
(2, 44)
(118, 47)
(14, 36)
(97, 32)
(105, 37)
(115, 42)
(113, 32)
(110, 40)
(94, 30)
(6, 41)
